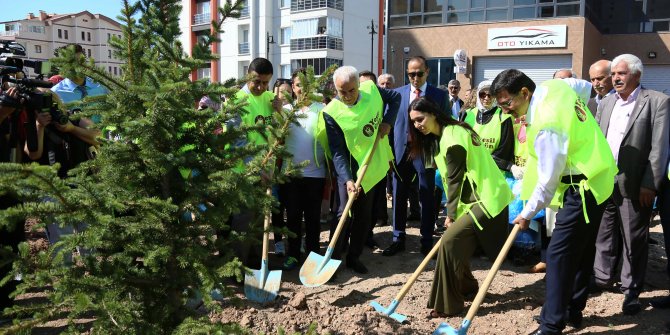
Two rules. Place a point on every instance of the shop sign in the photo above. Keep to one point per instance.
(532, 37)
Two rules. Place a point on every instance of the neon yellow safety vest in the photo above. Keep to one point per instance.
(359, 124)
(487, 181)
(488, 133)
(520, 149)
(562, 111)
(258, 110)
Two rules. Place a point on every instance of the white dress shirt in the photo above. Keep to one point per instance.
(619, 120)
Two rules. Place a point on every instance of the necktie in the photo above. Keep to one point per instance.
(521, 136)
(417, 93)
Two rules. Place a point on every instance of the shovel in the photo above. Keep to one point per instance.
(390, 311)
(262, 285)
(444, 328)
(318, 269)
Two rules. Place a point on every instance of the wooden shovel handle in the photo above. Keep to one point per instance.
(362, 170)
(266, 229)
(418, 271)
(492, 273)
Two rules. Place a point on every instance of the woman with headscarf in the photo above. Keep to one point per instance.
(494, 128)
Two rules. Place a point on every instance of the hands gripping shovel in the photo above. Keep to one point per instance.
(318, 269)
(444, 328)
(390, 311)
(262, 285)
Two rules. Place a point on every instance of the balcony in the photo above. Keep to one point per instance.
(298, 5)
(9, 33)
(202, 18)
(243, 48)
(316, 43)
(244, 13)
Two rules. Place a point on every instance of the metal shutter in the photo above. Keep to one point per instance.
(538, 68)
(656, 77)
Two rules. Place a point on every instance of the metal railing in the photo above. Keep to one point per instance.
(316, 43)
(243, 48)
(9, 33)
(297, 5)
(202, 18)
(244, 13)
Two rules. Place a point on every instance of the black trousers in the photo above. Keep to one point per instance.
(357, 227)
(570, 258)
(405, 172)
(303, 197)
(663, 204)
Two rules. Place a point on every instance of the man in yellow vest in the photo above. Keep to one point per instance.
(352, 122)
(570, 166)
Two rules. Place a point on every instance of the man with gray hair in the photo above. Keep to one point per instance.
(635, 123)
(599, 72)
(386, 80)
(352, 123)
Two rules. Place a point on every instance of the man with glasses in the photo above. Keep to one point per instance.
(455, 103)
(407, 169)
(570, 166)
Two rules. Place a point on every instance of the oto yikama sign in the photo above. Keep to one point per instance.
(532, 37)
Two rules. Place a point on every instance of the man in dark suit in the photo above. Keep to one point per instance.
(599, 72)
(455, 103)
(406, 168)
(635, 123)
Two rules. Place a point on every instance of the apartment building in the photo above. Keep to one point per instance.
(290, 33)
(42, 34)
(536, 36)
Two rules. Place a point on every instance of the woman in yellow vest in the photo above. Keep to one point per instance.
(477, 206)
(495, 129)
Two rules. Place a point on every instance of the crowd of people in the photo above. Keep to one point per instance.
(585, 160)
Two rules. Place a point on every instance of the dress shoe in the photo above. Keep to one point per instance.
(357, 266)
(394, 248)
(539, 331)
(660, 302)
(631, 305)
(574, 321)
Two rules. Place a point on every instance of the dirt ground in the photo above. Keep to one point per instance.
(343, 306)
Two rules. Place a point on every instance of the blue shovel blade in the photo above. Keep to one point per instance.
(317, 270)
(390, 311)
(261, 285)
(444, 328)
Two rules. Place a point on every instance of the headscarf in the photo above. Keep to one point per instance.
(581, 87)
(207, 102)
(484, 85)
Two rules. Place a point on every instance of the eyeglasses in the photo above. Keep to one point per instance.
(455, 88)
(507, 103)
(416, 74)
(483, 95)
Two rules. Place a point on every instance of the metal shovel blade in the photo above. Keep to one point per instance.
(444, 328)
(262, 285)
(390, 311)
(318, 269)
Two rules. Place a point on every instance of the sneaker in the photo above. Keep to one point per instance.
(280, 250)
(290, 264)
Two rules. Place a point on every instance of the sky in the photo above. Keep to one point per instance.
(19, 9)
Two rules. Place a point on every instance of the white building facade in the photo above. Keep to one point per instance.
(44, 33)
(290, 33)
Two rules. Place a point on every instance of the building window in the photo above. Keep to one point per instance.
(316, 43)
(88, 36)
(110, 69)
(285, 35)
(83, 36)
(109, 37)
(109, 54)
(36, 29)
(120, 71)
(284, 4)
(89, 53)
(244, 13)
(320, 64)
(38, 49)
(203, 73)
(60, 33)
(115, 70)
(202, 13)
(297, 5)
(286, 71)
(65, 34)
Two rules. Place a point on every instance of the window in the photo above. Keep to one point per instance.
(83, 36)
(110, 69)
(109, 54)
(120, 72)
(115, 71)
(284, 4)
(285, 37)
(65, 34)
(88, 35)
(109, 37)
(320, 64)
(60, 33)
(286, 70)
(203, 73)
(36, 29)
(38, 49)
(89, 53)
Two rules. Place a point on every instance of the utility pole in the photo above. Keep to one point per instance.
(372, 43)
(269, 39)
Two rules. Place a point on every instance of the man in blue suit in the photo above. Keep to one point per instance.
(407, 169)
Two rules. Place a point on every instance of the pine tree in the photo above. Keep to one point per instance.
(165, 179)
